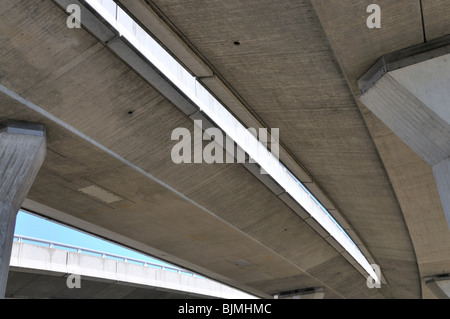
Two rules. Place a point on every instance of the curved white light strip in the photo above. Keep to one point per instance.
(208, 104)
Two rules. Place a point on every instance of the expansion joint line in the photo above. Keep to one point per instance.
(423, 22)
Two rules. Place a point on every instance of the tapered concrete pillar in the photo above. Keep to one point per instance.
(409, 91)
(22, 151)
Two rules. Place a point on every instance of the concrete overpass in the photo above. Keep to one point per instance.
(43, 269)
(294, 65)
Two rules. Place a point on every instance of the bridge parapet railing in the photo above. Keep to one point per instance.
(78, 249)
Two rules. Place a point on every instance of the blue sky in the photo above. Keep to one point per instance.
(37, 227)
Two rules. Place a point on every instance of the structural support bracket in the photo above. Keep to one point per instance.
(409, 92)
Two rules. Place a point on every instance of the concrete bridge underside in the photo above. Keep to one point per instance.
(296, 68)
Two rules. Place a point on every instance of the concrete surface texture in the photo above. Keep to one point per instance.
(22, 151)
(412, 101)
(296, 68)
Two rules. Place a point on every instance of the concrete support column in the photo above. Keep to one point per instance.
(409, 91)
(441, 173)
(22, 151)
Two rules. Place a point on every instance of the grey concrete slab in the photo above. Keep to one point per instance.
(107, 104)
(435, 16)
(357, 48)
(287, 71)
(250, 67)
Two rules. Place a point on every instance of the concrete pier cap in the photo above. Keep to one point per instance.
(22, 127)
(409, 91)
(23, 147)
